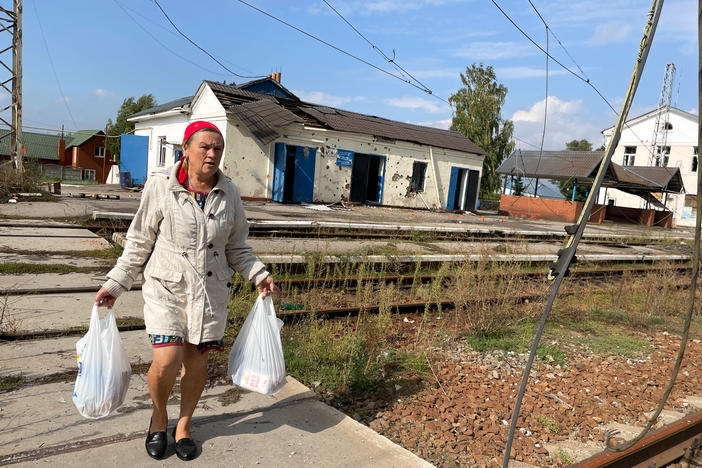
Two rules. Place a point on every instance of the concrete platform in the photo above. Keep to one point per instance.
(49, 280)
(62, 311)
(290, 429)
(54, 259)
(40, 358)
(50, 239)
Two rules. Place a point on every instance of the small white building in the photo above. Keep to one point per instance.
(675, 134)
(283, 149)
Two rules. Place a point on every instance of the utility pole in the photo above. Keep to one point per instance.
(11, 22)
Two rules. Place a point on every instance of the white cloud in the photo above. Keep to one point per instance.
(693, 111)
(101, 92)
(609, 32)
(556, 107)
(63, 99)
(526, 72)
(326, 99)
(486, 50)
(442, 124)
(416, 103)
(565, 122)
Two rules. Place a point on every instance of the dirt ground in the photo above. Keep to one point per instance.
(458, 413)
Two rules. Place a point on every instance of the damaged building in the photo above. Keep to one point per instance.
(280, 148)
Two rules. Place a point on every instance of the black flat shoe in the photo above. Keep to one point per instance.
(185, 448)
(156, 443)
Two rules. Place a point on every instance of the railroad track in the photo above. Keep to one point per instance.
(399, 280)
(679, 440)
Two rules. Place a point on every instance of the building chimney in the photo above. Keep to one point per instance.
(62, 151)
(276, 77)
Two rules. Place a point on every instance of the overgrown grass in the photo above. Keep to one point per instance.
(11, 382)
(15, 268)
(549, 423)
(13, 181)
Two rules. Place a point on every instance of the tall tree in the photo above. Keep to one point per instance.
(121, 125)
(477, 116)
(566, 186)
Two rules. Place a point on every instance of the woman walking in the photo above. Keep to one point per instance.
(187, 238)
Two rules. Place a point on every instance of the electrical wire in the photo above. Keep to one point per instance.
(158, 41)
(203, 50)
(567, 254)
(380, 51)
(53, 68)
(585, 79)
(312, 36)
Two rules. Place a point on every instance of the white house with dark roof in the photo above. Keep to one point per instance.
(280, 148)
(675, 134)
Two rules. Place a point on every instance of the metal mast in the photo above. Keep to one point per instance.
(11, 22)
(660, 129)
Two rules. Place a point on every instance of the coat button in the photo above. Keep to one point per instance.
(211, 216)
(209, 273)
(210, 245)
(229, 285)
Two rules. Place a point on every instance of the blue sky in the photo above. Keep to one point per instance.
(105, 51)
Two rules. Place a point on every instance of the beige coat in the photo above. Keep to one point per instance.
(187, 255)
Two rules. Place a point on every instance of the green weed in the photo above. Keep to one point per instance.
(16, 268)
(11, 382)
(548, 423)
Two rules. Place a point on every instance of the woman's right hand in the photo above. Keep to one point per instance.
(103, 298)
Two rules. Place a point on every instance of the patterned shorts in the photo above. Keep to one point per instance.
(159, 341)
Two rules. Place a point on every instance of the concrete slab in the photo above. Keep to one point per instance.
(32, 238)
(666, 417)
(695, 401)
(50, 280)
(41, 358)
(291, 429)
(55, 259)
(574, 449)
(66, 207)
(62, 311)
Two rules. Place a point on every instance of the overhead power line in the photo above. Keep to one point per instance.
(380, 51)
(53, 68)
(312, 36)
(158, 41)
(584, 79)
(203, 50)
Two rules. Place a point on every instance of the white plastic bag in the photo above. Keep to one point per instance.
(103, 368)
(256, 361)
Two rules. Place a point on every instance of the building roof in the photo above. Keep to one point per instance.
(668, 179)
(81, 136)
(170, 105)
(583, 166)
(579, 165)
(653, 112)
(37, 145)
(345, 121)
(260, 116)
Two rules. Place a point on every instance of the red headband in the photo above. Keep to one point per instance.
(198, 125)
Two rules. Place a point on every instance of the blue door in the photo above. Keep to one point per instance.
(303, 190)
(134, 155)
(279, 172)
(381, 177)
(453, 184)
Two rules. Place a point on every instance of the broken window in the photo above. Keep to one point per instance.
(161, 151)
(662, 153)
(419, 172)
(629, 155)
(694, 159)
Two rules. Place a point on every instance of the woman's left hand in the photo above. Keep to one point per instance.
(267, 286)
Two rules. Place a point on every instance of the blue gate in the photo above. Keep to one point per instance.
(279, 172)
(134, 157)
